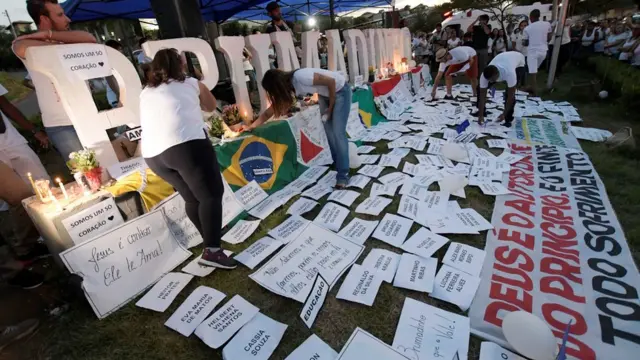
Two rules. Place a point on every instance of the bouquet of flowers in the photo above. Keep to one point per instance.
(84, 163)
(216, 127)
(231, 115)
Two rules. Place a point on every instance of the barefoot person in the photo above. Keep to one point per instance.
(176, 147)
(503, 67)
(536, 37)
(452, 61)
(334, 96)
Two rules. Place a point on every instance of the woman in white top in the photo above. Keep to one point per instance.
(334, 96)
(628, 48)
(454, 40)
(500, 43)
(175, 146)
(614, 41)
(588, 40)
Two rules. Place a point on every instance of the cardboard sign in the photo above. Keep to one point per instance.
(257, 252)
(314, 301)
(118, 265)
(84, 61)
(416, 273)
(93, 221)
(164, 291)
(194, 309)
(313, 348)
(182, 228)
(257, 340)
(222, 324)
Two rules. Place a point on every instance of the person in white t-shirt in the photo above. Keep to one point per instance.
(53, 29)
(536, 37)
(517, 40)
(503, 68)
(175, 146)
(451, 62)
(615, 40)
(334, 97)
(453, 40)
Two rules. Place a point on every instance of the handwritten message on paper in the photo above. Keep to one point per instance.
(291, 272)
(179, 224)
(118, 265)
(194, 309)
(164, 291)
(93, 221)
(426, 332)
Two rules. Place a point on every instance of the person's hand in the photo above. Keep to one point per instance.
(38, 35)
(42, 138)
(500, 118)
(433, 94)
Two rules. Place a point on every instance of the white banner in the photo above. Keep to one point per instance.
(118, 265)
(311, 139)
(558, 251)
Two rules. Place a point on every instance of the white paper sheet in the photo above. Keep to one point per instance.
(465, 258)
(373, 205)
(265, 208)
(371, 170)
(181, 227)
(329, 179)
(358, 181)
(331, 216)
(194, 310)
(251, 195)
(492, 351)
(344, 197)
(393, 229)
(361, 285)
(314, 301)
(362, 345)
(365, 149)
(382, 261)
(240, 231)
(416, 273)
(494, 189)
(424, 243)
(93, 221)
(368, 159)
(301, 206)
(381, 189)
(313, 348)
(196, 269)
(358, 230)
(317, 191)
(390, 161)
(455, 286)
(258, 339)
(454, 185)
(394, 179)
(226, 321)
(497, 143)
(162, 294)
(257, 252)
(314, 172)
(289, 229)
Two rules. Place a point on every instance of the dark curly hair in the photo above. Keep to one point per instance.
(166, 66)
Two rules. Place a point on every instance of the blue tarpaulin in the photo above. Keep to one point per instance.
(212, 10)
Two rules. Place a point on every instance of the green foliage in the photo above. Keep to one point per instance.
(620, 79)
(8, 60)
(15, 89)
(216, 129)
(82, 161)
(237, 28)
(426, 18)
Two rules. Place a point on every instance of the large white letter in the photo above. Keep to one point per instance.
(406, 43)
(231, 47)
(287, 58)
(357, 51)
(258, 45)
(78, 102)
(382, 56)
(370, 35)
(335, 55)
(310, 57)
(199, 47)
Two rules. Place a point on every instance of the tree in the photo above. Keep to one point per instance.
(499, 10)
(426, 18)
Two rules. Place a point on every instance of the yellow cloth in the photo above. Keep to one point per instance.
(151, 187)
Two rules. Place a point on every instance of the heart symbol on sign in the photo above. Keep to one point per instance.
(101, 63)
(110, 218)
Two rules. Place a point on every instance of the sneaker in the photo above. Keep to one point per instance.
(217, 259)
(17, 332)
(507, 124)
(475, 114)
(26, 279)
(448, 97)
(39, 251)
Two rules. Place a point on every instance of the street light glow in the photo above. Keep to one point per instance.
(311, 22)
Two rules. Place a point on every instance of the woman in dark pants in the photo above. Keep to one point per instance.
(176, 147)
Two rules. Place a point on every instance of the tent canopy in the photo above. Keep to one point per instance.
(212, 10)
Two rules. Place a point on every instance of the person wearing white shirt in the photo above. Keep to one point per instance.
(175, 146)
(53, 29)
(453, 40)
(517, 40)
(453, 61)
(536, 36)
(503, 68)
(141, 57)
(615, 40)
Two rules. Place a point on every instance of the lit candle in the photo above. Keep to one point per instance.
(55, 201)
(64, 191)
(35, 188)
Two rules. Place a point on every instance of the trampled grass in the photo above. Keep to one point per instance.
(135, 333)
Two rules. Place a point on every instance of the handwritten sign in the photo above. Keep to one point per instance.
(257, 340)
(164, 291)
(416, 273)
(313, 348)
(222, 324)
(361, 285)
(426, 332)
(314, 301)
(194, 309)
(118, 265)
(93, 221)
(257, 252)
(291, 272)
(251, 195)
(84, 61)
(182, 228)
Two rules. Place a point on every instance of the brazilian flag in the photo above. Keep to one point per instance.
(266, 155)
(369, 115)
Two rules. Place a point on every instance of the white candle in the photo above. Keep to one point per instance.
(35, 188)
(64, 191)
(55, 201)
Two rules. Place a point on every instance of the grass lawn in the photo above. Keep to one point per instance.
(16, 91)
(135, 333)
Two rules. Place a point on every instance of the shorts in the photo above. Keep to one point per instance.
(534, 60)
(471, 72)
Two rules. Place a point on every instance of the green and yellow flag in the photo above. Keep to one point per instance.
(267, 155)
(369, 115)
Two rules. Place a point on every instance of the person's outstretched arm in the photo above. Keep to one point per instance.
(46, 38)
(330, 83)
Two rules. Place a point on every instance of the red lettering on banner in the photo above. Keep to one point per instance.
(563, 289)
(525, 207)
(520, 149)
(526, 283)
(562, 268)
(515, 219)
(511, 302)
(517, 237)
(521, 176)
(575, 347)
